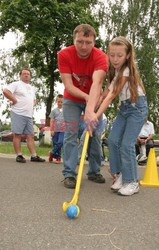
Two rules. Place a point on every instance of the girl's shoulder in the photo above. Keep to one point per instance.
(126, 72)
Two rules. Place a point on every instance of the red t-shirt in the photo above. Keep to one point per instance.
(81, 69)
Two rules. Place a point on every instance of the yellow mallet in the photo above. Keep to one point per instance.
(78, 182)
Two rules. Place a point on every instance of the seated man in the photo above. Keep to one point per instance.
(145, 141)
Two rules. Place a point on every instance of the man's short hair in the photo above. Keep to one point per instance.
(24, 68)
(87, 29)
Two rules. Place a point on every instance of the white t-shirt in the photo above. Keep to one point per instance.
(25, 95)
(147, 129)
(125, 93)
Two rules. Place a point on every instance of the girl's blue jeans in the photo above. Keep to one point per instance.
(71, 112)
(122, 138)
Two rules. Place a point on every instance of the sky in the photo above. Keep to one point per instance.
(10, 42)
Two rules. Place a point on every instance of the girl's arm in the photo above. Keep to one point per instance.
(110, 97)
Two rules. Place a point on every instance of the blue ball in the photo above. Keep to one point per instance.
(72, 211)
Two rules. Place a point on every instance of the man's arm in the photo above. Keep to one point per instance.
(9, 95)
(94, 95)
(34, 102)
(68, 83)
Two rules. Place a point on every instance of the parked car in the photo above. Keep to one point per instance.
(7, 135)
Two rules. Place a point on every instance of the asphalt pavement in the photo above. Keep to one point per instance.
(31, 215)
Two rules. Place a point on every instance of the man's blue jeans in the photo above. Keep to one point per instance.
(122, 138)
(57, 141)
(71, 112)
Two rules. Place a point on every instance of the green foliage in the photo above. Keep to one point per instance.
(47, 27)
(5, 126)
(138, 20)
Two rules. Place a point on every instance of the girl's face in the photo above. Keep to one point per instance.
(117, 56)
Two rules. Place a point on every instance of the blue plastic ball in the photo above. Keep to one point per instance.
(72, 211)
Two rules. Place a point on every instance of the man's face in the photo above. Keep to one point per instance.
(25, 76)
(83, 44)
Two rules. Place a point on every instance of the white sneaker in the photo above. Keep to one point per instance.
(118, 183)
(142, 158)
(129, 188)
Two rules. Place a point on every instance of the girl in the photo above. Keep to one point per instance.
(124, 81)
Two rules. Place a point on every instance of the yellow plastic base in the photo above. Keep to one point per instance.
(151, 172)
(144, 184)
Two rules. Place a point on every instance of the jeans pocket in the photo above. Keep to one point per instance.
(141, 107)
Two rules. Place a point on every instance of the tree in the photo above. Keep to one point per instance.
(47, 27)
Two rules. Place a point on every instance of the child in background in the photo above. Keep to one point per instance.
(124, 81)
(57, 134)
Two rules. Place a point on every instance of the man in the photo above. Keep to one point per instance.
(145, 141)
(83, 69)
(22, 97)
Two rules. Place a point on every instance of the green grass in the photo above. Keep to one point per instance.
(7, 148)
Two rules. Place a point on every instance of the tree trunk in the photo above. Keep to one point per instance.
(49, 100)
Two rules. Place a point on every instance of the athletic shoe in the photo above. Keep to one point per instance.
(129, 188)
(20, 158)
(118, 183)
(50, 157)
(70, 182)
(103, 163)
(142, 158)
(98, 178)
(57, 160)
(36, 159)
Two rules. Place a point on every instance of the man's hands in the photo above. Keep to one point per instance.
(13, 102)
(91, 121)
(141, 140)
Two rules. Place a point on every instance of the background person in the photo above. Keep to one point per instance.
(145, 141)
(57, 135)
(83, 69)
(22, 97)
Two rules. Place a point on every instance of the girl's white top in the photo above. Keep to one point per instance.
(125, 93)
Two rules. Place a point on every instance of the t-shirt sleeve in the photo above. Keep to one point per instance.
(52, 114)
(126, 72)
(152, 129)
(63, 62)
(101, 61)
(34, 92)
(11, 87)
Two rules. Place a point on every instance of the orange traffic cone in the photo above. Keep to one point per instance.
(151, 173)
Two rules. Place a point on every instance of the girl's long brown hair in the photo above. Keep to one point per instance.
(134, 77)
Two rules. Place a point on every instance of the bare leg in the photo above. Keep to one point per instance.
(17, 143)
(31, 144)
